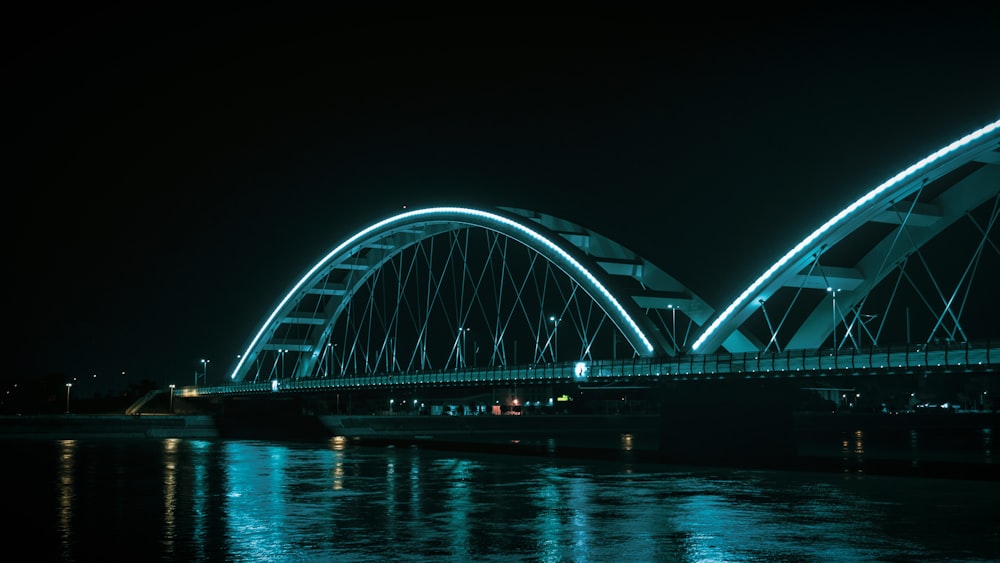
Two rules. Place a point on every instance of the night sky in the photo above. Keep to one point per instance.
(174, 174)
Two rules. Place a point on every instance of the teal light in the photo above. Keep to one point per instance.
(895, 180)
(403, 217)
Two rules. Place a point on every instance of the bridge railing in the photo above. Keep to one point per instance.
(874, 357)
(640, 370)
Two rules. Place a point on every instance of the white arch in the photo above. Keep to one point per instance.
(553, 250)
(905, 182)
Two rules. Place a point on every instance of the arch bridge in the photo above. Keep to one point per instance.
(901, 279)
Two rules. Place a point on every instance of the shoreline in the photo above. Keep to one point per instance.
(841, 443)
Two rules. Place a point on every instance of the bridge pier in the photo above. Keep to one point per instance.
(270, 418)
(731, 422)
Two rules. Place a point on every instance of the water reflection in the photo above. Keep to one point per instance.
(66, 494)
(627, 444)
(337, 445)
(262, 501)
(170, 480)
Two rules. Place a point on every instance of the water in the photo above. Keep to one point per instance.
(230, 500)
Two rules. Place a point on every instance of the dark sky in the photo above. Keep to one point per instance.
(174, 173)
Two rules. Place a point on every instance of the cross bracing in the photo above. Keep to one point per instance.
(909, 256)
(453, 288)
(450, 289)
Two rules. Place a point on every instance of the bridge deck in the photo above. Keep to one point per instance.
(647, 371)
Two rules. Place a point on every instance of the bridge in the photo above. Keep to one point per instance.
(900, 281)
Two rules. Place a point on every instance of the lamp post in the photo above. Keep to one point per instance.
(204, 371)
(555, 338)
(673, 330)
(172, 398)
(68, 387)
(464, 351)
(833, 293)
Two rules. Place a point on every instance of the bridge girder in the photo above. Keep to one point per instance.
(957, 178)
(914, 206)
(594, 262)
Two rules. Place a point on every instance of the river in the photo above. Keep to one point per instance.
(251, 500)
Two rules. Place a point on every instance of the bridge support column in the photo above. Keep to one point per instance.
(728, 422)
(267, 418)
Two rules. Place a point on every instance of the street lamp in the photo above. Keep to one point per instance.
(673, 333)
(204, 371)
(464, 351)
(833, 293)
(172, 398)
(555, 337)
(68, 387)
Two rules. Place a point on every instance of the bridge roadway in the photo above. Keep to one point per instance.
(642, 372)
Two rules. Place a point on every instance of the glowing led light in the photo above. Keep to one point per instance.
(403, 217)
(837, 219)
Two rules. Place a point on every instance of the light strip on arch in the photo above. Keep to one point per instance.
(463, 211)
(895, 180)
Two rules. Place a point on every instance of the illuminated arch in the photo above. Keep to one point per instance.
(658, 293)
(373, 246)
(962, 175)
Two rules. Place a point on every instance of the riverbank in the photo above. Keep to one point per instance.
(948, 445)
(81, 426)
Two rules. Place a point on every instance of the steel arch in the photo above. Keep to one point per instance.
(654, 290)
(963, 175)
(381, 241)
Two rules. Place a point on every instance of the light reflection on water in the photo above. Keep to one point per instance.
(263, 501)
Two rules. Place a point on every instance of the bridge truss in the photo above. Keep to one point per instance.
(453, 288)
(912, 261)
(456, 289)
